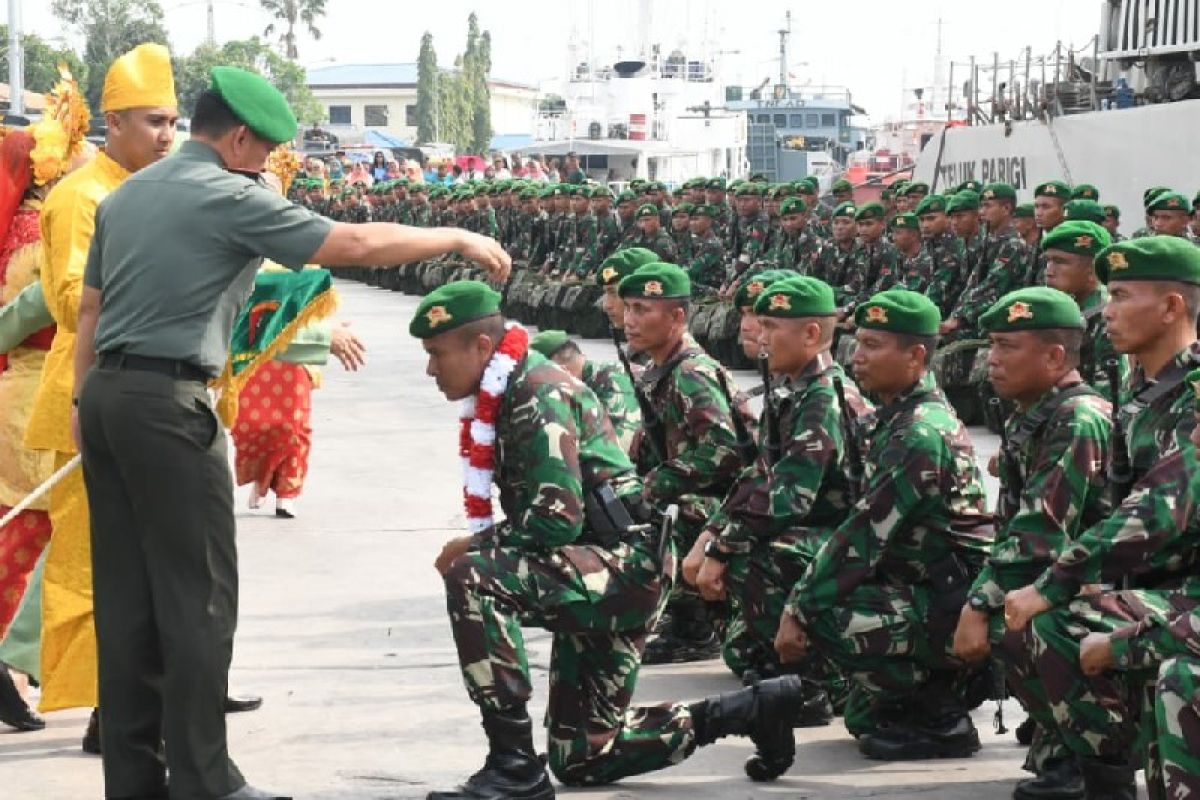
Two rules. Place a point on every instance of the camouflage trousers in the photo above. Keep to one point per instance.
(1020, 675)
(1177, 729)
(1110, 715)
(759, 583)
(598, 603)
(893, 649)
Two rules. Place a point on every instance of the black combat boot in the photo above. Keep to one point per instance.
(765, 712)
(945, 735)
(815, 708)
(14, 711)
(689, 636)
(91, 737)
(1025, 731)
(1104, 781)
(512, 770)
(1060, 779)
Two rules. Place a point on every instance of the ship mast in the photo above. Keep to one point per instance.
(16, 69)
(784, 34)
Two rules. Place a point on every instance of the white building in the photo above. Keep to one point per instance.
(383, 97)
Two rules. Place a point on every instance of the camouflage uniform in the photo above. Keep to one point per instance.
(750, 240)
(536, 568)
(872, 270)
(915, 272)
(1004, 266)
(707, 266)
(1059, 447)
(947, 256)
(833, 265)
(1177, 713)
(796, 251)
(776, 518)
(684, 246)
(662, 244)
(608, 238)
(586, 244)
(1097, 348)
(614, 390)
(867, 601)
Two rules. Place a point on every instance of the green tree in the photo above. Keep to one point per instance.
(290, 13)
(481, 120)
(192, 75)
(454, 109)
(110, 28)
(427, 91)
(41, 62)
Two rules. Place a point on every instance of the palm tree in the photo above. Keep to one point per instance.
(289, 13)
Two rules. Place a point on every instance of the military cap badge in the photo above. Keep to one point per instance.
(652, 288)
(1019, 311)
(1083, 242)
(1173, 202)
(1117, 261)
(754, 288)
(780, 302)
(608, 274)
(877, 314)
(437, 315)
(1050, 188)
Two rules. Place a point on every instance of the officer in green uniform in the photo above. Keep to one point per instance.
(707, 266)
(155, 318)
(652, 236)
(1049, 209)
(612, 271)
(1026, 225)
(834, 259)
(875, 259)
(1112, 222)
(946, 253)
(882, 595)
(915, 268)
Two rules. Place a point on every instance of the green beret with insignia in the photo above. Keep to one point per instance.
(806, 188)
(626, 196)
(1150, 258)
(529, 194)
(656, 281)
(1053, 189)
(1024, 211)
(1112, 211)
(1088, 210)
(869, 211)
(1085, 191)
(746, 190)
(899, 311)
(549, 342)
(623, 263)
(841, 185)
(905, 222)
(254, 101)
(452, 305)
(716, 184)
(969, 186)
(918, 187)
(646, 210)
(752, 285)
(798, 296)
(793, 205)
(998, 191)
(706, 210)
(846, 209)
(418, 188)
(932, 204)
(1032, 308)
(1081, 237)
(683, 208)
(1153, 192)
(965, 200)
(898, 187)
(1169, 201)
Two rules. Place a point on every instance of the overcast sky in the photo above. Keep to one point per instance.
(877, 48)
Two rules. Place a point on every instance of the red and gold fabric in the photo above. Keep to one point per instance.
(273, 432)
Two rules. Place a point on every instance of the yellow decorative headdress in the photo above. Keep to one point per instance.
(59, 135)
(284, 163)
(141, 78)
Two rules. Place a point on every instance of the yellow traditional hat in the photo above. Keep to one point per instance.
(139, 79)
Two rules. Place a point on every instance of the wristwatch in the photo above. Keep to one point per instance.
(977, 603)
(713, 550)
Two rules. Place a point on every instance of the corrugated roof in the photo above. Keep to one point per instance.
(343, 75)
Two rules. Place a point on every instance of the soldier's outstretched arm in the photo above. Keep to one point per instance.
(382, 244)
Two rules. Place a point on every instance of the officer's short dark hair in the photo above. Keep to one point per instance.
(908, 340)
(1071, 340)
(212, 116)
(1190, 293)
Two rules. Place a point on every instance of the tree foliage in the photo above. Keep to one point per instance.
(192, 75)
(455, 105)
(427, 90)
(288, 14)
(41, 62)
(110, 28)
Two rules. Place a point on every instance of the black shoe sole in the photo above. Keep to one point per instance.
(877, 750)
(1061, 794)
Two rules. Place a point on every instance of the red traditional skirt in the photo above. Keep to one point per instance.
(21, 543)
(273, 434)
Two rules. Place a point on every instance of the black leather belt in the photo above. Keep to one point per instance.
(180, 370)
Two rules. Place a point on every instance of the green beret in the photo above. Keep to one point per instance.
(792, 205)
(1085, 191)
(899, 311)
(1113, 211)
(683, 208)
(1053, 189)
(898, 187)
(1081, 237)
(919, 187)
(1153, 192)
(623, 263)
(626, 196)
(637, 183)
(932, 204)
(256, 102)
(746, 190)
(452, 305)
(1024, 211)
(1193, 379)
(998, 191)
(558, 190)
(1032, 308)
(969, 186)
(805, 188)
(1088, 210)
(905, 222)
(758, 177)
(1170, 201)
(549, 342)
(529, 194)
(705, 210)
(1150, 258)
(716, 183)
(869, 211)
(647, 210)
(846, 209)
(841, 185)
(799, 296)
(418, 188)
(965, 200)
(656, 281)
(752, 285)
